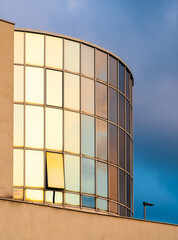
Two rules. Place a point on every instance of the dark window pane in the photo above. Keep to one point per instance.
(128, 192)
(113, 207)
(101, 65)
(113, 71)
(131, 193)
(101, 139)
(88, 175)
(122, 210)
(127, 84)
(88, 201)
(121, 111)
(127, 153)
(113, 183)
(113, 105)
(113, 144)
(131, 90)
(131, 157)
(128, 213)
(128, 116)
(122, 186)
(121, 78)
(101, 100)
(131, 121)
(121, 148)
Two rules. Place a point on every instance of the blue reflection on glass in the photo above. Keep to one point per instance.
(88, 201)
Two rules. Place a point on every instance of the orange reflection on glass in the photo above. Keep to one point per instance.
(18, 83)
(18, 193)
(34, 195)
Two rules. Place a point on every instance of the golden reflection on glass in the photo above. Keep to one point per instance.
(101, 65)
(54, 52)
(54, 129)
(101, 139)
(54, 88)
(34, 168)
(18, 47)
(87, 60)
(18, 139)
(18, 167)
(71, 56)
(72, 173)
(72, 199)
(55, 170)
(102, 204)
(34, 49)
(87, 95)
(34, 195)
(71, 132)
(34, 127)
(101, 100)
(34, 85)
(18, 83)
(18, 193)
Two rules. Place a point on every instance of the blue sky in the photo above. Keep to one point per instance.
(145, 35)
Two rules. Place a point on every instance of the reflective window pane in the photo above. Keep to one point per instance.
(72, 173)
(18, 137)
(18, 193)
(101, 100)
(121, 111)
(18, 47)
(34, 127)
(128, 116)
(19, 83)
(122, 210)
(87, 61)
(131, 121)
(131, 157)
(113, 207)
(121, 78)
(87, 95)
(102, 204)
(121, 148)
(54, 197)
(127, 153)
(71, 91)
(55, 170)
(71, 56)
(34, 85)
(122, 186)
(88, 175)
(131, 94)
(113, 105)
(88, 136)
(54, 88)
(101, 139)
(18, 167)
(54, 52)
(34, 49)
(58, 197)
(101, 65)
(34, 195)
(72, 132)
(113, 143)
(113, 182)
(127, 84)
(72, 199)
(113, 71)
(88, 201)
(128, 191)
(102, 179)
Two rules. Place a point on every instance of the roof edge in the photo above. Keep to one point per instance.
(3, 20)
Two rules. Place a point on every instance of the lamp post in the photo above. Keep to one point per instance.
(144, 206)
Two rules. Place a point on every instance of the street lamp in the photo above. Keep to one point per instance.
(144, 206)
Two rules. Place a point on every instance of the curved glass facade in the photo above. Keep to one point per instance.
(73, 134)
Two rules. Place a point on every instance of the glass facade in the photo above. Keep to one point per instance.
(73, 134)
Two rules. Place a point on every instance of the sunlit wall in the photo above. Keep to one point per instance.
(73, 136)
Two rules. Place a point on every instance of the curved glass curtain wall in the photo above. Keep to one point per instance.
(73, 113)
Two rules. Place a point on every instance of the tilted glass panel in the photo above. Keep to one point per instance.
(101, 139)
(88, 176)
(18, 83)
(113, 207)
(54, 52)
(112, 71)
(72, 199)
(122, 186)
(113, 182)
(128, 191)
(34, 195)
(87, 60)
(127, 84)
(72, 173)
(88, 136)
(55, 170)
(18, 47)
(54, 88)
(18, 139)
(34, 50)
(113, 105)
(101, 100)
(121, 111)
(18, 167)
(88, 201)
(127, 153)
(71, 132)
(34, 85)
(102, 179)
(87, 95)
(34, 168)
(113, 143)
(121, 78)
(34, 127)
(101, 65)
(71, 91)
(102, 204)
(121, 148)
(128, 116)
(71, 56)
(18, 193)
(54, 129)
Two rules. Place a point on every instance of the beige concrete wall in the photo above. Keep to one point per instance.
(6, 107)
(24, 221)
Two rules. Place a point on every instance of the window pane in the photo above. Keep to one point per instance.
(34, 85)
(71, 91)
(18, 193)
(101, 65)
(131, 157)
(113, 71)
(121, 78)
(57, 196)
(72, 173)
(34, 168)
(128, 191)
(101, 139)
(87, 95)
(71, 56)
(127, 153)
(88, 138)
(101, 100)
(113, 105)
(34, 49)
(122, 210)
(128, 116)
(55, 170)
(19, 83)
(102, 204)
(18, 47)
(88, 201)
(102, 179)
(34, 195)
(18, 138)
(34, 127)
(72, 199)
(122, 186)
(113, 183)
(54, 52)
(113, 143)
(54, 133)
(18, 167)
(121, 111)
(121, 148)
(88, 175)
(87, 60)
(131, 82)
(54, 88)
(131, 121)
(113, 207)
(127, 83)
(72, 132)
